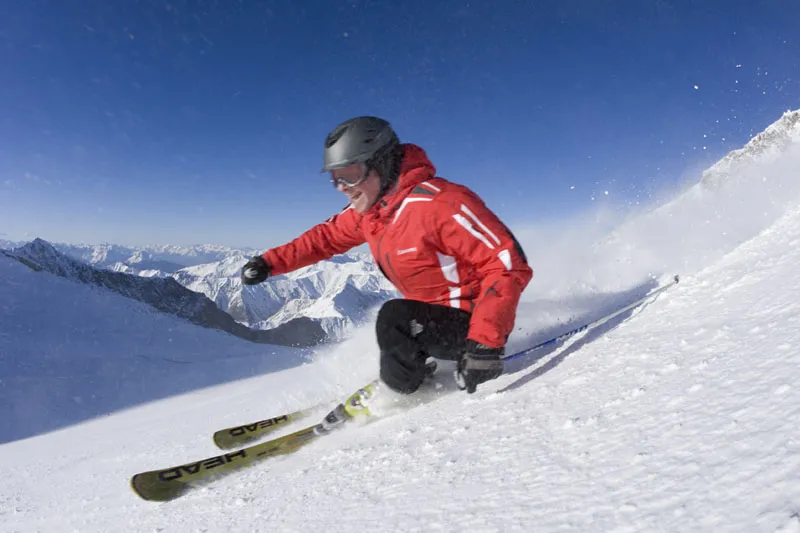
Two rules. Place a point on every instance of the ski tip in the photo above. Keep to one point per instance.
(148, 486)
(219, 440)
(225, 441)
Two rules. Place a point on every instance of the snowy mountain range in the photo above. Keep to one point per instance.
(163, 258)
(165, 295)
(337, 294)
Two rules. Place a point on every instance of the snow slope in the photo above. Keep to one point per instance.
(71, 351)
(684, 416)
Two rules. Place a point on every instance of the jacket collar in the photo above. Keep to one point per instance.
(415, 168)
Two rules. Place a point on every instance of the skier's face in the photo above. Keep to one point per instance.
(360, 187)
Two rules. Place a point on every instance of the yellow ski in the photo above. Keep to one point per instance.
(236, 436)
(171, 483)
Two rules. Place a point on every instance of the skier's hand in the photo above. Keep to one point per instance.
(479, 363)
(255, 271)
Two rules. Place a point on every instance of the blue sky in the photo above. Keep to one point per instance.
(138, 122)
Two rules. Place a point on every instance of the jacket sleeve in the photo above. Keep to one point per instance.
(475, 236)
(334, 236)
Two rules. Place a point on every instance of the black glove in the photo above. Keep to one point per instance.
(255, 271)
(478, 363)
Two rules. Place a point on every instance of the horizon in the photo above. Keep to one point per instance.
(170, 124)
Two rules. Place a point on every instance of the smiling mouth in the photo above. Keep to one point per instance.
(355, 196)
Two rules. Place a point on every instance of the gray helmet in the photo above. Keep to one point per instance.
(368, 140)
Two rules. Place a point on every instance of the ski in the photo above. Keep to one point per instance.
(170, 483)
(234, 437)
(237, 436)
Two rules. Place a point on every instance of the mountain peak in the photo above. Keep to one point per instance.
(764, 147)
(40, 244)
(45, 255)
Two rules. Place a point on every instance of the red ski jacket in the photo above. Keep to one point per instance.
(435, 240)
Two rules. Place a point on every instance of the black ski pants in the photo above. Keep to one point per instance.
(409, 332)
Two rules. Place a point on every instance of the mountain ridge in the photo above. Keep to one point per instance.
(165, 295)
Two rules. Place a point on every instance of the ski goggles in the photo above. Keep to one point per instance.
(349, 176)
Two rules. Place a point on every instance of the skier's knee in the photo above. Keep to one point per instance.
(391, 320)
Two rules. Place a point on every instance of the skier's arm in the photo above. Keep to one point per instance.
(334, 236)
(473, 234)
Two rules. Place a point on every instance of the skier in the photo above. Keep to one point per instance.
(459, 268)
